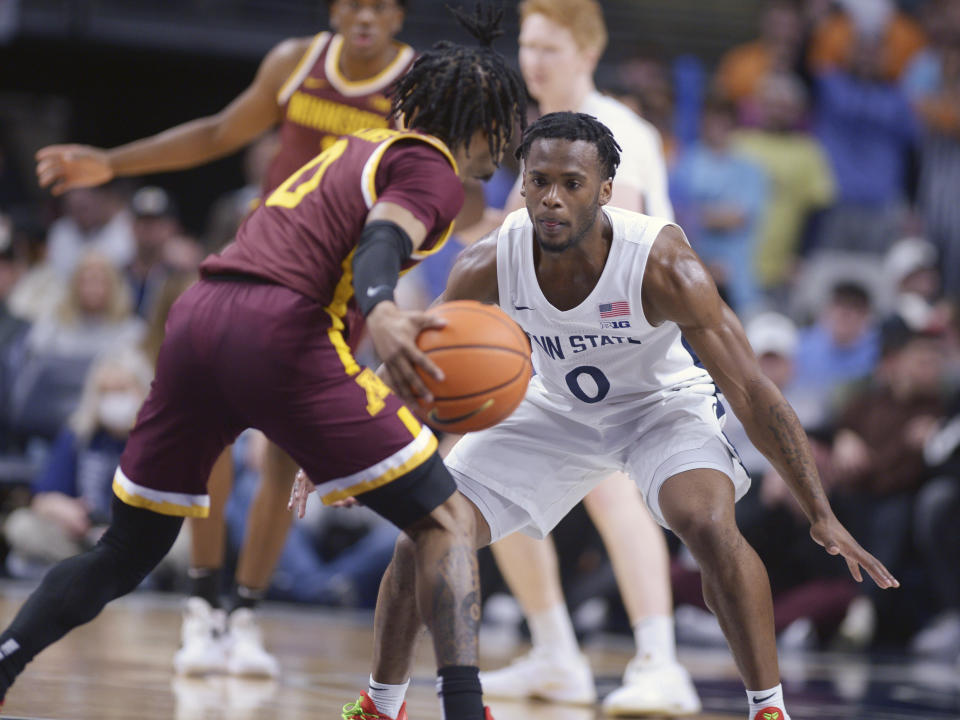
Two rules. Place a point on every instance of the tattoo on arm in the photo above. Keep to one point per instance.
(793, 451)
(456, 607)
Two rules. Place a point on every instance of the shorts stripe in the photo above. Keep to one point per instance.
(400, 463)
(165, 503)
(343, 350)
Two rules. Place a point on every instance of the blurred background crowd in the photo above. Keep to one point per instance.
(814, 158)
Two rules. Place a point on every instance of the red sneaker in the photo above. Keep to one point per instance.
(770, 713)
(364, 709)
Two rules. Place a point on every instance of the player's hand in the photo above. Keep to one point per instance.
(346, 502)
(65, 167)
(835, 539)
(394, 335)
(302, 487)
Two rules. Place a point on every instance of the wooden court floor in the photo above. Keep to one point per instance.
(118, 667)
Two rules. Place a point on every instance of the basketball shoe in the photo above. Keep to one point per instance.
(364, 709)
(662, 689)
(771, 713)
(246, 655)
(202, 648)
(559, 678)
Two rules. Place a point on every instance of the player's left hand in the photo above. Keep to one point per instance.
(833, 536)
(302, 487)
(394, 334)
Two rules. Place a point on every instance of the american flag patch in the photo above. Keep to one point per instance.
(614, 309)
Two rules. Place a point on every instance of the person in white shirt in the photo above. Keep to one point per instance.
(561, 42)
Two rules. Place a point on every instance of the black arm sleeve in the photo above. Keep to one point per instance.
(383, 248)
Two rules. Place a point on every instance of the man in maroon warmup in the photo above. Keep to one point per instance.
(262, 341)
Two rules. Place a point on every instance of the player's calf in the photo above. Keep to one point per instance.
(76, 590)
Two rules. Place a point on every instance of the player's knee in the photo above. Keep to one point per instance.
(404, 560)
(705, 532)
(136, 541)
(455, 516)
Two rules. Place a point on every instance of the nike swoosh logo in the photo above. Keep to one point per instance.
(371, 291)
(522, 307)
(763, 699)
(450, 421)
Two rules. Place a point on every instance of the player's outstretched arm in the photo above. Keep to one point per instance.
(65, 167)
(474, 274)
(677, 287)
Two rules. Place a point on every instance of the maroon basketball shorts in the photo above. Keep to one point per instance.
(241, 354)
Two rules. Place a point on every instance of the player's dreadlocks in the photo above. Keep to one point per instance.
(575, 126)
(452, 91)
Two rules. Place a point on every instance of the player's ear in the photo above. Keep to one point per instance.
(606, 191)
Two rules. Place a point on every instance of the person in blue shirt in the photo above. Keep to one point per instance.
(841, 347)
(720, 196)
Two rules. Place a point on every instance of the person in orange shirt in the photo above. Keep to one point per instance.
(901, 37)
(778, 49)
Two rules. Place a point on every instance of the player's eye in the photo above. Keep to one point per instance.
(573, 184)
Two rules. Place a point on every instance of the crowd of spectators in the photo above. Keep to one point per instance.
(816, 169)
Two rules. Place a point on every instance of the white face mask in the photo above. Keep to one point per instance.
(118, 410)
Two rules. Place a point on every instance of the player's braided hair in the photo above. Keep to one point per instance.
(452, 91)
(575, 126)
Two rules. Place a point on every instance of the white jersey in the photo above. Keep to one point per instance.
(601, 362)
(641, 158)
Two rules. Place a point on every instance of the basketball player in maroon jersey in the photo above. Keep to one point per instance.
(316, 89)
(262, 341)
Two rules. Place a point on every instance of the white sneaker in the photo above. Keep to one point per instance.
(201, 637)
(565, 678)
(247, 655)
(664, 689)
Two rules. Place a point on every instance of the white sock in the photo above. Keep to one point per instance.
(654, 636)
(552, 630)
(387, 698)
(760, 699)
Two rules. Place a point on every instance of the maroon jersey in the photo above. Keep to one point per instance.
(320, 105)
(304, 234)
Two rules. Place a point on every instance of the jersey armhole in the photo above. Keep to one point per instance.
(306, 62)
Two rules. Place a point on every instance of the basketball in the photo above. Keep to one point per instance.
(485, 358)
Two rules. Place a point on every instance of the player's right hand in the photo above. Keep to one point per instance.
(65, 167)
(394, 333)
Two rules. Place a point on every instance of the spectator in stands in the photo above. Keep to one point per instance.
(95, 219)
(11, 268)
(94, 315)
(231, 208)
(720, 197)
(937, 532)
(72, 495)
(899, 37)
(155, 225)
(778, 49)
(649, 93)
(841, 347)
(876, 465)
(801, 181)
(868, 128)
(932, 81)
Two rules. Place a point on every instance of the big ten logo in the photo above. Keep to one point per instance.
(614, 324)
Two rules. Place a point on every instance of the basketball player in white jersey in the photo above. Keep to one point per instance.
(561, 42)
(618, 308)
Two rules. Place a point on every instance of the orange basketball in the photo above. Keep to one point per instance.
(485, 358)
